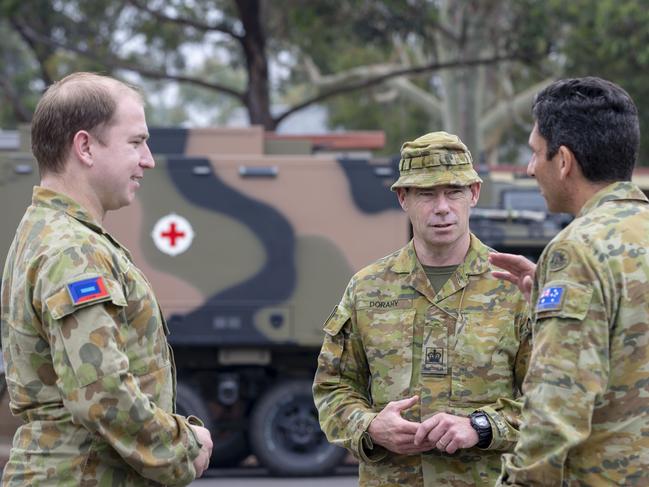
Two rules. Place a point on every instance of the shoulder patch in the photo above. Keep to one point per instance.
(558, 260)
(336, 321)
(87, 290)
(551, 298)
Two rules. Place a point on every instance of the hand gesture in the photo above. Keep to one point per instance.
(391, 431)
(518, 270)
(447, 432)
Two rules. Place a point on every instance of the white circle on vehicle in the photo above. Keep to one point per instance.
(172, 234)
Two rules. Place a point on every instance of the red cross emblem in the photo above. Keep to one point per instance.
(172, 234)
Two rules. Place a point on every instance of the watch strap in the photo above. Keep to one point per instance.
(482, 427)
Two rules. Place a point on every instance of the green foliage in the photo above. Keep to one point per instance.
(191, 102)
(345, 33)
(18, 89)
(44, 40)
(609, 39)
(401, 120)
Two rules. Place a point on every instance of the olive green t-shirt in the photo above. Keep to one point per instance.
(439, 275)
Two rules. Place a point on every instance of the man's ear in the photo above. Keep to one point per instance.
(568, 165)
(82, 147)
(475, 193)
(401, 196)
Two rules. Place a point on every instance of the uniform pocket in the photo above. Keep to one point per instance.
(61, 303)
(387, 336)
(561, 318)
(329, 360)
(484, 357)
(567, 300)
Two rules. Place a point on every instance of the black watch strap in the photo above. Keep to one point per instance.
(482, 426)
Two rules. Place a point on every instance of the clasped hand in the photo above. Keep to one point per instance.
(443, 431)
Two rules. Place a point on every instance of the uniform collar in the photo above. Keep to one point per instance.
(476, 262)
(60, 202)
(622, 190)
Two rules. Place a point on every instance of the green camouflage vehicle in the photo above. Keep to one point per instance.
(249, 239)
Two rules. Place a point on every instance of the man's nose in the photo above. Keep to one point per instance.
(146, 160)
(441, 204)
(530, 168)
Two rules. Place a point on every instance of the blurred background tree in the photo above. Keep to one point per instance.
(470, 67)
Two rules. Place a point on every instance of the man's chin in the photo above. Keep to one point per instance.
(441, 239)
(122, 202)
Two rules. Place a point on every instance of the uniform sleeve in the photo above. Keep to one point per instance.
(95, 370)
(341, 386)
(505, 414)
(568, 370)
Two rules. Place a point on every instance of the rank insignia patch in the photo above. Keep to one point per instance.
(87, 290)
(434, 361)
(434, 355)
(550, 298)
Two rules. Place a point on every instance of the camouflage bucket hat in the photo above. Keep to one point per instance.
(434, 159)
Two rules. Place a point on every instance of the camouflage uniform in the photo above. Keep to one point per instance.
(586, 416)
(461, 349)
(94, 381)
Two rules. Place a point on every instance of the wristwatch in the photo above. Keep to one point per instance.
(482, 426)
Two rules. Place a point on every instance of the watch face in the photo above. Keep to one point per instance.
(482, 421)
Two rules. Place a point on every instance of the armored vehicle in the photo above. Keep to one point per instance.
(249, 239)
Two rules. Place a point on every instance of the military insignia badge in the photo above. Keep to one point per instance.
(434, 355)
(558, 260)
(87, 290)
(434, 361)
(551, 298)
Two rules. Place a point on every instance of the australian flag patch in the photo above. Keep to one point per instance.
(87, 290)
(550, 299)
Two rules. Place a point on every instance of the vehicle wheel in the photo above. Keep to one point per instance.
(285, 434)
(230, 446)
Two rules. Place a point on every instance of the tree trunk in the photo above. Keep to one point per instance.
(253, 41)
(463, 88)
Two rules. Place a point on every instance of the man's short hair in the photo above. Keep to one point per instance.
(597, 120)
(80, 101)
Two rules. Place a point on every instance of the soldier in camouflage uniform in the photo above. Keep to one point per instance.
(88, 367)
(423, 358)
(586, 414)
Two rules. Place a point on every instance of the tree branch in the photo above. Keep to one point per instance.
(41, 58)
(422, 98)
(20, 111)
(364, 83)
(505, 113)
(118, 63)
(223, 27)
(518, 105)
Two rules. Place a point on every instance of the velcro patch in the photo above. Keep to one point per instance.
(558, 260)
(87, 290)
(551, 298)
